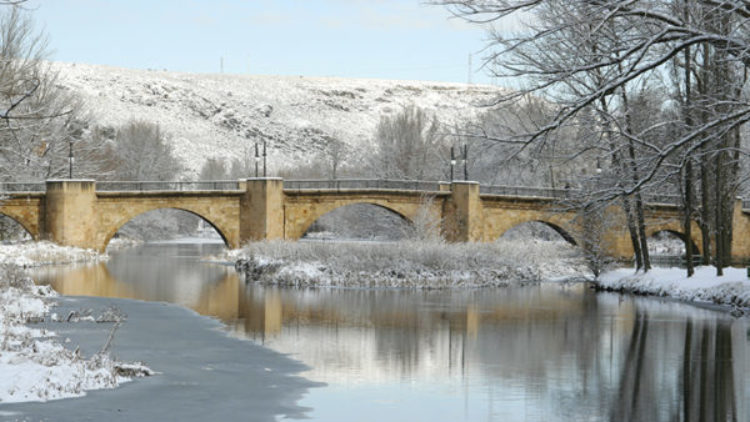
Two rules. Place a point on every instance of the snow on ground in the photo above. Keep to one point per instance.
(222, 115)
(704, 286)
(34, 254)
(34, 365)
(408, 264)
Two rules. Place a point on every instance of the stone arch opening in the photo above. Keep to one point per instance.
(360, 221)
(538, 229)
(13, 230)
(669, 243)
(166, 223)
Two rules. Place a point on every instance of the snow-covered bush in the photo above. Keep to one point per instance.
(34, 254)
(408, 263)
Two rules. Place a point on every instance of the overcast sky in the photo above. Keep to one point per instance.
(391, 39)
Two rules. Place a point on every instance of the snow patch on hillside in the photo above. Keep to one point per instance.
(220, 115)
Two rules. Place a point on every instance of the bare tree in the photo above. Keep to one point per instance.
(213, 169)
(143, 153)
(410, 145)
(38, 117)
(586, 55)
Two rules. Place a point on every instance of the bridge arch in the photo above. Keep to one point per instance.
(109, 231)
(363, 220)
(323, 210)
(678, 234)
(301, 211)
(27, 227)
(556, 227)
(675, 228)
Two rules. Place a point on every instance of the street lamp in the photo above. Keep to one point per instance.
(70, 158)
(453, 160)
(257, 159)
(466, 161)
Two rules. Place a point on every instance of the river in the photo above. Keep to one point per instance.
(547, 352)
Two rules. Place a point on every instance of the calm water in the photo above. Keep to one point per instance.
(537, 353)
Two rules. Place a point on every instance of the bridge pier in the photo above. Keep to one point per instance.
(70, 216)
(463, 216)
(262, 209)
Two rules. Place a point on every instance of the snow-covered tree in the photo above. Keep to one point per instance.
(410, 146)
(38, 118)
(143, 153)
(590, 59)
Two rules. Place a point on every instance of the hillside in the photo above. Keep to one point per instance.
(221, 115)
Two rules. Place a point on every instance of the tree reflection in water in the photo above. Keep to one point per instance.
(705, 382)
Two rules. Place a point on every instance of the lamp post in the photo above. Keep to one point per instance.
(70, 158)
(453, 161)
(264, 158)
(466, 162)
(257, 159)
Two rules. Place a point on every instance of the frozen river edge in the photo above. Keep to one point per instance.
(202, 373)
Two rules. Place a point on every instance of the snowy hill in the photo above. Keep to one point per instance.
(220, 115)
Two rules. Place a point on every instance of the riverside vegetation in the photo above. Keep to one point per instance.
(414, 264)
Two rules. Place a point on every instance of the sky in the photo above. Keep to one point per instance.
(386, 39)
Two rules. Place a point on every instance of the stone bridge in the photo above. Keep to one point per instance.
(87, 214)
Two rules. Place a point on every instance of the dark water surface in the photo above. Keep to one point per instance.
(547, 352)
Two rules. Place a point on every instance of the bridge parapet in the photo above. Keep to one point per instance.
(526, 191)
(360, 184)
(128, 186)
(22, 187)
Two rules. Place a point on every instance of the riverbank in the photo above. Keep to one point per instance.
(407, 264)
(34, 364)
(201, 373)
(35, 254)
(732, 289)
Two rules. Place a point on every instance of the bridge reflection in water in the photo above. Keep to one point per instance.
(544, 352)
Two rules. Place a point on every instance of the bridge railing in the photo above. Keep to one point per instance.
(525, 191)
(314, 184)
(123, 186)
(652, 198)
(12, 187)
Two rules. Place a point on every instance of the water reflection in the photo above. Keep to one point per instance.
(546, 352)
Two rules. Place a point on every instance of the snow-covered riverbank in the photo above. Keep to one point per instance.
(704, 286)
(408, 264)
(34, 254)
(34, 365)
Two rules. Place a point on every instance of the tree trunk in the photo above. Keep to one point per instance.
(687, 226)
(688, 193)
